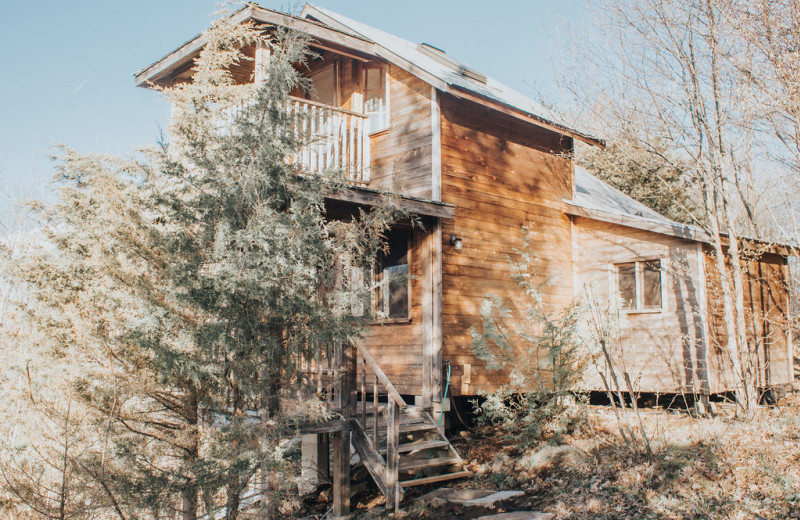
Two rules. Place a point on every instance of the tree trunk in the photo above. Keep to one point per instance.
(190, 493)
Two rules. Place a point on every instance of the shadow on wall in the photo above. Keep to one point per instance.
(500, 174)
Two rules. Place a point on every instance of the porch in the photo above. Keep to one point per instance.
(399, 444)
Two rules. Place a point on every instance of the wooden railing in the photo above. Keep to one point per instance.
(331, 138)
(336, 139)
(367, 438)
(340, 374)
(323, 375)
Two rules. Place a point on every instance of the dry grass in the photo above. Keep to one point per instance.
(714, 468)
(702, 468)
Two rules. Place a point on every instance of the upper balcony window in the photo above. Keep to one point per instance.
(376, 97)
(325, 88)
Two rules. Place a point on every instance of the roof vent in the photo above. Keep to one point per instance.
(442, 57)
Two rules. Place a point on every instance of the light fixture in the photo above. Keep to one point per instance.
(455, 242)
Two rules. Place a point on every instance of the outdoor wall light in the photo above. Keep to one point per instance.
(455, 242)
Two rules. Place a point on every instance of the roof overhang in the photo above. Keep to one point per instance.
(362, 196)
(330, 34)
(326, 37)
(675, 229)
(525, 116)
(663, 228)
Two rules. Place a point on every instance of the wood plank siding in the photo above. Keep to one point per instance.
(766, 299)
(662, 350)
(401, 157)
(500, 174)
(397, 347)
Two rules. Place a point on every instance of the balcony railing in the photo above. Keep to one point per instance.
(336, 139)
(333, 138)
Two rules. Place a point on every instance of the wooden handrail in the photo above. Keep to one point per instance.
(390, 389)
(327, 107)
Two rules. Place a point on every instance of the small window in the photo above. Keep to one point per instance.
(639, 285)
(376, 98)
(392, 286)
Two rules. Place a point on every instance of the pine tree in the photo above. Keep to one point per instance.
(187, 282)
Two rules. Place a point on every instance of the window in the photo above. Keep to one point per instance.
(324, 81)
(392, 285)
(376, 97)
(639, 285)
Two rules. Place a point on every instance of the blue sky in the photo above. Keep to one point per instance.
(67, 66)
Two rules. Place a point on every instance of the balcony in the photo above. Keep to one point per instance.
(335, 138)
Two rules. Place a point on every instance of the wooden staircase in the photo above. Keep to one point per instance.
(400, 445)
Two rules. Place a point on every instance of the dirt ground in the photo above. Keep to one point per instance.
(701, 468)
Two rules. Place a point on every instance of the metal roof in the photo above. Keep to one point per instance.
(442, 73)
(601, 201)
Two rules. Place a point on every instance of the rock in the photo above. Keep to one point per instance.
(468, 497)
(519, 515)
(325, 495)
(489, 500)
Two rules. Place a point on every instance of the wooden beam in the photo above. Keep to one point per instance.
(392, 456)
(317, 31)
(426, 279)
(369, 197)
(263, 55)
(437, 339)
(436, 146)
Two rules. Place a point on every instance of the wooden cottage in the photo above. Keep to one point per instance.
(477, 161)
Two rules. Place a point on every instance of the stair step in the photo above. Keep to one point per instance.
(413, 427)
(422, 445)
(436, 478)
(419, 445)
(414, 464)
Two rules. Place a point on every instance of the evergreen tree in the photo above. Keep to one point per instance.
(187, 283)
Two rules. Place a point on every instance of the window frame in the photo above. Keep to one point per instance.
(378, 300)
(385, 75)
(639, 270)
(334, 65)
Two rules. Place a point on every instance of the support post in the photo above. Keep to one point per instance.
(392, 456)
(315, 462)
(349, 385)
(341, 473)
(263, 55)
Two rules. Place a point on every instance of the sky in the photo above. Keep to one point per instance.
(67, 66)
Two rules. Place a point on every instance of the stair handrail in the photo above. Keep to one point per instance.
(376, 369)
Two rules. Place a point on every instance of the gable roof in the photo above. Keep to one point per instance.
(431, 65)
(599, 200)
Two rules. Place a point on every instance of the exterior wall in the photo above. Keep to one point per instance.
(401, 157)
(501, 174)
(661, 351)
(397, 346)
(766, 298)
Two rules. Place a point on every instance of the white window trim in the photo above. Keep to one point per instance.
(385, 69)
